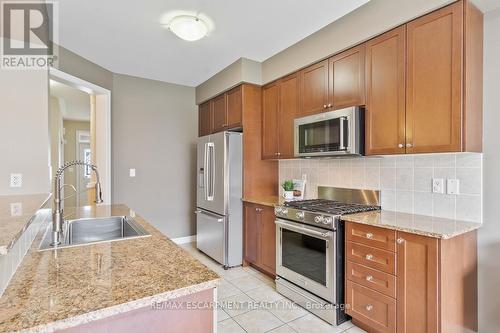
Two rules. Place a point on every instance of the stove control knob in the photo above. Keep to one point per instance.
(328, 220)
(284, 211)
(299, 215)
(318, 219)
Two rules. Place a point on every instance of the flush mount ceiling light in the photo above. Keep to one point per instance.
(188, 27)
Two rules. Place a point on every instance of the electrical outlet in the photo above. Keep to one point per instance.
(453, 186)
(16, 180)
(438, 185)
(16, 209)
(132, 172)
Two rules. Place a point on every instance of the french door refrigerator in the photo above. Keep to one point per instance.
(219, 213)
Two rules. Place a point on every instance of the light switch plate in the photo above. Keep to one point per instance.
(453, 186)
(132, 172)
(16, 209)
(438, 185)
(16, 180)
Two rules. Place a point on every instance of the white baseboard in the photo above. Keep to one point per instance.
(184, 240)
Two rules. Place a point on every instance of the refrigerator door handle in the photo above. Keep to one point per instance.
(211, 173)
(205, 173)
(217, 217)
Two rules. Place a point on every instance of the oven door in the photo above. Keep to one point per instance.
(305, 256)
(326, 134)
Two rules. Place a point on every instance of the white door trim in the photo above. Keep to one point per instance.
(91, 88)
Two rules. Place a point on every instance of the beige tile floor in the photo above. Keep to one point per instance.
(244, 286)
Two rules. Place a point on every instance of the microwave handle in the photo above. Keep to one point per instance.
(342, 145)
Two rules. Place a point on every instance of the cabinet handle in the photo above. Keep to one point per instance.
(369, 307)
(409, 145)
(369, 256)
(258, 210)
(279, 154)
(400, 240)
(324, 106)
(400, 145)
(369, 278)
(369, 235)
(330, 105)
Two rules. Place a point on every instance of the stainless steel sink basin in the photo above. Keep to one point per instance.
(95, 230)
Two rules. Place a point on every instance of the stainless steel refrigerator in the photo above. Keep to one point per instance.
(219, 216)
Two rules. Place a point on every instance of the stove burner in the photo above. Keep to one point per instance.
(330, 206)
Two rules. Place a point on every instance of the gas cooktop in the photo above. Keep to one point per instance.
(330, 206)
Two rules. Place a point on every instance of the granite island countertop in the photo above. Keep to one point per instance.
(16, 214)
(64, 288)
(416, 224)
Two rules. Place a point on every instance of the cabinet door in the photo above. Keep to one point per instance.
(234, 107)
(270, 120)
(314, 88)
(204, 119)
(385, 93)
(289, 109)
(219, 108)
(417, 284)
(347, 78)
(251, 233)
(434, 86)
(268, 240)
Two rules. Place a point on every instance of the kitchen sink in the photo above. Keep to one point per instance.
(95, 230)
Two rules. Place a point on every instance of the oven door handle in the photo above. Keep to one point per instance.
(304, 230)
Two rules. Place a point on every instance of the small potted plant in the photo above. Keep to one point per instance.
(287, 189)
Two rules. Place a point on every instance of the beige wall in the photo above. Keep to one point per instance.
(70, 154)
(154, 130)
(489, 234)
(242, 70)
(24, 139)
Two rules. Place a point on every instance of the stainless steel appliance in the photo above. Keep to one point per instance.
(219, 193)
(310, 249)
(339, 132)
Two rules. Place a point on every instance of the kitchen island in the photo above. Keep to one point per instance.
(98, 287)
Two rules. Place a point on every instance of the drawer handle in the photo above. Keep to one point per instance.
(369, 307)
(400, 240)
(369, 278)
(369, 256)
(369, 235)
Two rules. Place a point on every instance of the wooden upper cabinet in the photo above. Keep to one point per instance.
(385, 93)
(347, 78)
(205, 119)
(234, 107)
(417, 284)
(434, 82)
(289, 109)
(219, 108)
(314, 88)
(270, 120)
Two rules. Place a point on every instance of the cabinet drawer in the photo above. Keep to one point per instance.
(371, 308)
(371, 278)
(371, 257)
(384, 239)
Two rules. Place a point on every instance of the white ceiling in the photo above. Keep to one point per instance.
(127, 37)
(74, 104)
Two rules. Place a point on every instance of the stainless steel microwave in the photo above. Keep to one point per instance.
(333, 133)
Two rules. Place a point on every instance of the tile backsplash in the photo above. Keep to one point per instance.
(405, 181)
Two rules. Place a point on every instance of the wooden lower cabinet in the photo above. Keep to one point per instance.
(259, 237)
(433, 288)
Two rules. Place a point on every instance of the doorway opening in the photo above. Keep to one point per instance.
(80, 129)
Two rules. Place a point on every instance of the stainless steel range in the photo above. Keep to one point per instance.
(310, 249)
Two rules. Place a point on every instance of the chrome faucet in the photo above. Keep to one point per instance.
(57, 210)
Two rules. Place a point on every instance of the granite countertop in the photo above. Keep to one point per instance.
(416, 224)
(266, 200)
(12, 225)
(63, 288)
